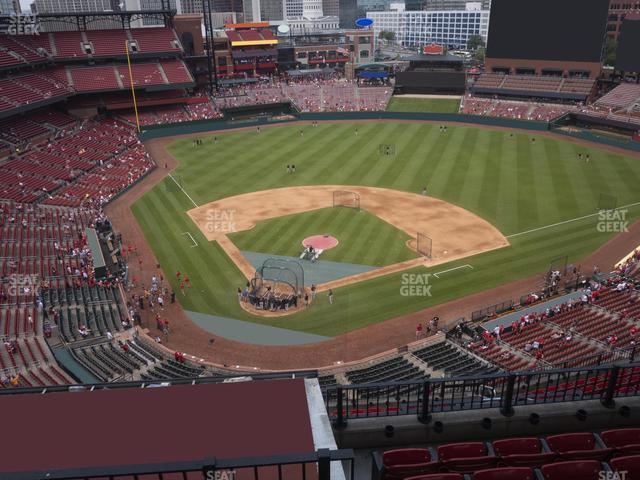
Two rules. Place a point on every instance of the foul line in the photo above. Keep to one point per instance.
(195, 244)
(452, 269)
(183, 191)
(568, 221)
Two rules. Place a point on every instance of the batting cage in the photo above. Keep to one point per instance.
(344, 198)
(277, 284)
(559, 264)
(424, 245)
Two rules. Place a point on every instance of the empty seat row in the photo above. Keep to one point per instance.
(519, 453)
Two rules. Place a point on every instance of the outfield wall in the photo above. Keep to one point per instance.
(207, 126)
(201, 126)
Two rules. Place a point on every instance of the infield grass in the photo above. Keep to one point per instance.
(363, 238)
(512, 182)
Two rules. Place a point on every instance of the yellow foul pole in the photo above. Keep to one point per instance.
(133, 90)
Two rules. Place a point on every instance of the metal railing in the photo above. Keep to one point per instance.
(303, 465)
(503, 391)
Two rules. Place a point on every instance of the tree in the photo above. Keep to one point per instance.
(387, 35)
(479, 54)
(610, 48)
(474, 42)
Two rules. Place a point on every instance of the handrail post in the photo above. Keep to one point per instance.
(507, 400)
(340, 422)
(324, 464)
(424, 416)
(610, 391)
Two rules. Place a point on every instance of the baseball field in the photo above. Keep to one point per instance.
(538, 191)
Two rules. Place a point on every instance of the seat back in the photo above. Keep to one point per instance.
(509, 473)
(517, 446)
(438, 476)
(629, 464)
(620, 437)
(406, 456)
(574, 470)
(461, 450)
(567, 442)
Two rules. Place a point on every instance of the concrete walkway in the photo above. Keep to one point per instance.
(248, 332)
(322, 271)
(539, 307)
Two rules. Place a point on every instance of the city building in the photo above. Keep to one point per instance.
(73, 6)
(9, 7)
(618, 9)
(442, 5)
(418, 28)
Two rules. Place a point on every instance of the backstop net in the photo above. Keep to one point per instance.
(424, 245)
(344, 198)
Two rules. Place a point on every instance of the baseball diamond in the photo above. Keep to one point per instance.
(502, 179)
(265, 240)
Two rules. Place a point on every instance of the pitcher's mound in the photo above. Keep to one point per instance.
(320, 242)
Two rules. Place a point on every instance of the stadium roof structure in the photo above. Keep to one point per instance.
(247, 38)
(103, 428)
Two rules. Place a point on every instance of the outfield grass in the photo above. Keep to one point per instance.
(434, 105)
(515, 184)
(363, 238)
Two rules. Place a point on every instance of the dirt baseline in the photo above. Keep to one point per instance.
(456, 233)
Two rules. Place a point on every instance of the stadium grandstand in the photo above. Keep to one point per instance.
(108, 329)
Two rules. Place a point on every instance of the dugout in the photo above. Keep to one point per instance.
(267, 112)
(436, 74)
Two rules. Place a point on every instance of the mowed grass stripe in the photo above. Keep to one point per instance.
(416, 170)
(563, 190)
(496, 179)
(406, 146)
(490, 177)
(528, 214)
(457, 155)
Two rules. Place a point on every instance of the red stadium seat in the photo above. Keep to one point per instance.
(575, 470)
(407, 462)
(438, 476)
(465, 457)
(630, 464)
(509, 473)
(522, 452)
(622, 440)
(577, 446)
